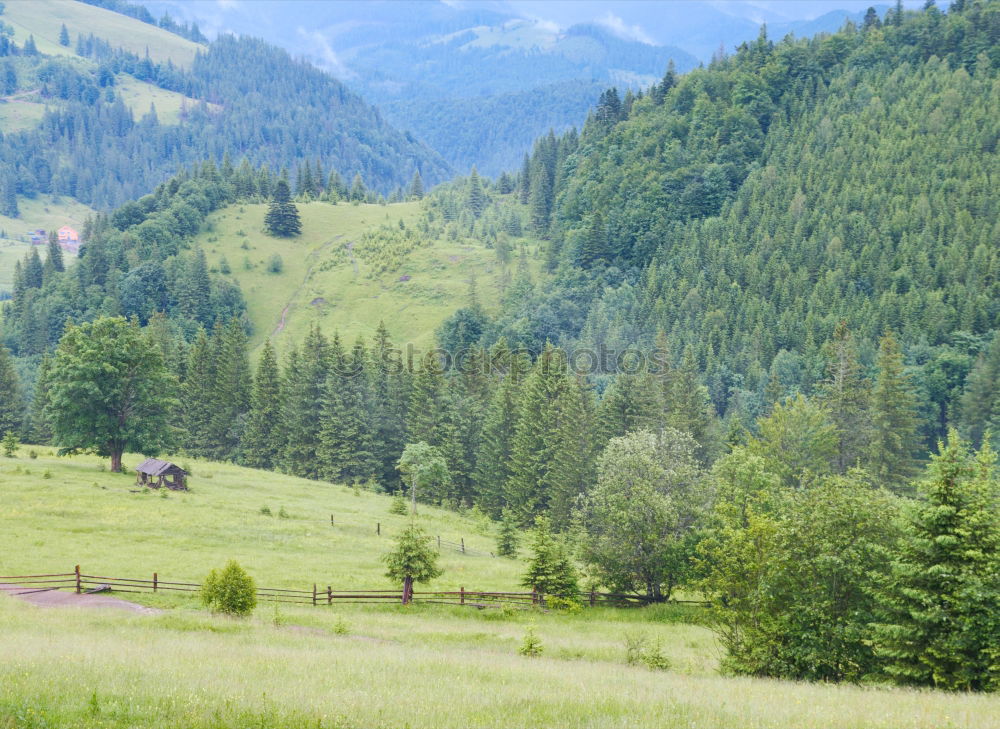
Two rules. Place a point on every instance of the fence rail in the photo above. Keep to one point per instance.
(81, 583)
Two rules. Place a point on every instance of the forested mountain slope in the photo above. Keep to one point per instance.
(747, 208)
(239, 96)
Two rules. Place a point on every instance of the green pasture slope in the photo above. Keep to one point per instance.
(323, 282)
(353, 667)
(43, 19)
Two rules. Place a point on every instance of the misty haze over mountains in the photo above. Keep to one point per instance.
(479, 81)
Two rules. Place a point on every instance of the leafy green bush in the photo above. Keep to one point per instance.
(641, 650)
(230, 591)
(275, 264)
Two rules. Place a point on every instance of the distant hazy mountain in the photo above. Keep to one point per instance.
(480, 79)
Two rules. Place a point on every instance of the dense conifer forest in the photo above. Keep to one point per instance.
(244, 97)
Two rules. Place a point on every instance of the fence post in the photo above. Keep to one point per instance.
(329, 595)
(155, 581)
(461, 591)
(77, 570)
(534, 597)
(378, 528)
(331, 519)
(439, 543)
(314, 593)
(463, 545)
(591, 598)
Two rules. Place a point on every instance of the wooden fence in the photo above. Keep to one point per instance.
(458, 546)
(318, 595)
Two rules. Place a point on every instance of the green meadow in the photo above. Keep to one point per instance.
(44, 19)
(349, 666)
(322, 282)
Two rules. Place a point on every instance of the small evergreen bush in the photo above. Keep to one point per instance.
(531, 644)
(230, 591)
(398, 504)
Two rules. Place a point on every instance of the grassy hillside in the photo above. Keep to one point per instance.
(323, 282)
(423, 666)
(138, 95)
(80, 514)
(45, 212)
(43, 18)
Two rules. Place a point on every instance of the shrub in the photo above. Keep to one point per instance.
(275, 264)
(282, 514)
(340, 627)
(230, 591)
(507, 536)
(32, 454)
(566, 605)
(398, 504)
(46, 473)
(531, 644)
(9, 444)
(640, 650)
(265, 510)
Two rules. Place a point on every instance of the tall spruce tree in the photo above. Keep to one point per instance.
(416, 188)
(302, 400)
(940, 625)
(846, 395)
(232, 390)
(262, 439)
(475, 197)
(40, 426)
(390, 398)
(572, 468)
(630, 403)
(493, 464)
(198, 396)
(536, 434)
(980, 404)
(11, 398)
(894, 439)
(282, 218)
(347, 448)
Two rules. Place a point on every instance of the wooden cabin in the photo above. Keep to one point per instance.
(155, 473)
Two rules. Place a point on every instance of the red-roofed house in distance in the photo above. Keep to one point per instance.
(69, 239)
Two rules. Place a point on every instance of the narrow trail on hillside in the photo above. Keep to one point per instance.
(305, 280)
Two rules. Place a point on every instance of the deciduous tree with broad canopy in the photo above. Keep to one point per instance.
(110, 391)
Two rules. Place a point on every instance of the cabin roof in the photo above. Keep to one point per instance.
(156, 467)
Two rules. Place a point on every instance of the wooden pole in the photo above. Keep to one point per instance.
(378, 528)
(329, 595)
(331, 519)
(463, 545)
(77, 570)
(439, 543)
(461, 592)
(314, 593)
(155, 582)
(591, 598)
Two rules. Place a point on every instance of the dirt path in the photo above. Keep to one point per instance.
(65, 598)
(305, 280)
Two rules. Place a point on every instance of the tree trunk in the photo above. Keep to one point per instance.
(407, 589)
(116, 460)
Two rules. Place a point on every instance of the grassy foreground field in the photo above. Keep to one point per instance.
(423, 668)
(349, 666)
(319, 283)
